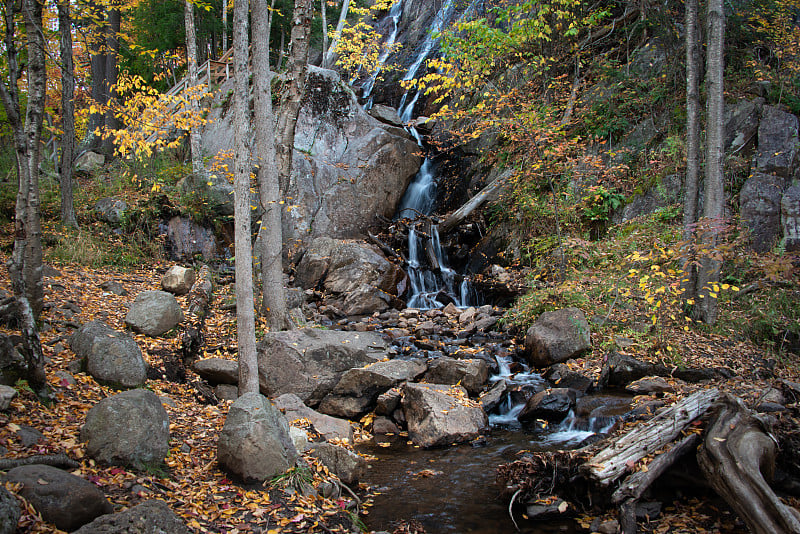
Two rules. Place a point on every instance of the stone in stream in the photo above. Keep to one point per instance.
(471, 374)
(649, 385)
(495, 396)
(557, 336)
(439, 414)
(562, 376)
(346, 465)
(551, 405)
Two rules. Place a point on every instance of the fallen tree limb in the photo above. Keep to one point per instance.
(53, 460)
(738, 452)
(199, 302)
(612, 462)
(453, 220)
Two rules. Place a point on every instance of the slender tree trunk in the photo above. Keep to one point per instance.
(297, 71)
(224, 26)
(68, 217)
(692, 144)
(97, 62)
(330, 56)
(191, 58)
(245, 312)
(273, 301)
(112, 54)
(714, 197)
(324, 30)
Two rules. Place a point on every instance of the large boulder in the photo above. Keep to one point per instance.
(149, 517)
(62, 498)
(154, 312)
(790, 217)
(129, 428)
(313, 266)
(550, 405)
(471, 374)
(619, 370)
(557, 336)
(310, 361)
(439, 414)
(760, 209)
(254, 443)
(346, 465)
(185, 238)
(294, 408)
(178, 280)
(741, 123)
(110, 210)
(112, 358)
(217, 370)
(9, 512)
(358, 389)
(777, 142)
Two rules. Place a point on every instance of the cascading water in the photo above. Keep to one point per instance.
(394, 14)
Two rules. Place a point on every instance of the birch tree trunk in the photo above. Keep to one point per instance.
(273, 298)
(68, 217)
(324, 29)
(692, 141)
(714, 197)
(330, 56)
(245, 312)
(191, 58)
(224, 26)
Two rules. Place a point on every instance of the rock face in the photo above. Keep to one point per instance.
(777, 142)
(186, 238)
(154, 312)
(315, 261)
(9, 512)
(254, 443)
(178, 280)
(348, 466)
(112, 357)
(110, 210)
(62, 498)
(668, 191)
(348, 167)
(790, 217)
(330, 427)
(310, 361)
(149, 517)
(760, 208)
(557, 336)
(129, 428)
(741, 123)
(440, 414)
(471, 374)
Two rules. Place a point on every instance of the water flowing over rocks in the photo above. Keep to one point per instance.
(154, 312)
(149, 517)
(111, 357)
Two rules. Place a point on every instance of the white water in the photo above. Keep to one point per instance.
(394, 14)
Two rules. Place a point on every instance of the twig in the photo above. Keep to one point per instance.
(510, 505)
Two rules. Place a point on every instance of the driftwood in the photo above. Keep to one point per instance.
(612, 462)
(455, 218)
(737, 454)
(54, 460)
(199, 301)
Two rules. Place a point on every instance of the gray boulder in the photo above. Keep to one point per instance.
(254, 443)
(112, 358)
(62, 498)
(9, 512)
(293, 408)
(149, 517)
(386, 115)
(557, 336)
(622, 369)
(314, 264)
(154, 312)
(89, 162)
(310, 361)
(550, 405)
(186, 238)
(790, 217)
(760, 209)
(741, 123)
(666, 192)
(357, 391)
(495, 396)
(110, 210)
(129, 428)
(562, 376)
(471, 374)
(7, 394)
(217, 370)
(345, 464)
(439, 414)
(777, 142)
(178, 280)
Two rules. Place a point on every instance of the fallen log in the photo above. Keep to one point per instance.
(453, 220)
(737, 454)
(199, 302)
(615, 460)
(54, 460)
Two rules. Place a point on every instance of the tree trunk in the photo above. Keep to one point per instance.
(273, 301)
(714, 198)
(692, 144)
(330, 56)
(293, 90)
(324, 29)
(455, 218)
(68, 217)
(245, 312)
(191, 58)
(112, 55)
(736, 456)
(97, 23)
(224, 26)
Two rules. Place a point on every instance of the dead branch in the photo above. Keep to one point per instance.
(199, 301)
(455, 218)
(54, 460)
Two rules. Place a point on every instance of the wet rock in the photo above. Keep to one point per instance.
(386, 115)
(9, 512)
(495, 396)
(471, 374)
(649, 385)
(178, 280)
(440, 415)
(62, 498)
(551, 405)
(185, 239)
(562, 376)
(254, 443)
(388, 402)
(310, 361)
(790, 218)
(384, 425)
(129, 428)
(7, 394)
(467, 315)
(149, 517)
(347, 465)
(557, 336)
(760, 209)
(217, 370)
(543, 511)
(110, 210)
(154, 312)
(700, 374)
(112, 358)
(777, 142)
(622, 369)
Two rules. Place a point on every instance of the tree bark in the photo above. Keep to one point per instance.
(324, 29)
(455, 218)
(68, 217)
(97, 54)
(273, 301)
(692, 144)
(191, 58)
(112, 55)
(736, 456)
(245, 312)
(224, 26)
(714, 198)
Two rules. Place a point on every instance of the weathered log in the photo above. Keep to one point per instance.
(453, 220)
(737, 454)
(386, 249)
(199, 301)
(54, 460)
(612, 462)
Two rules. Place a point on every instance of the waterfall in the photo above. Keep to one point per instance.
(394, 15)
